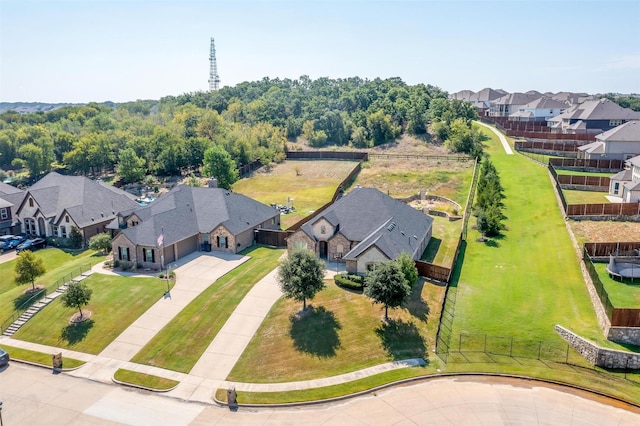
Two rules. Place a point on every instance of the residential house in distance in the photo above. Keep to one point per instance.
(626, 184)
(10, 199)
(510, 103)
(619, 143)
(55, 203)
(364, 227)
(594, 116)
(188, 219)
(539, 110)
(570, 98)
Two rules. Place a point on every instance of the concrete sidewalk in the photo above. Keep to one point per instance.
(503, 140)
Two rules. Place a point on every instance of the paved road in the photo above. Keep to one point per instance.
(33, 396)
(8, 255)
(503, 140)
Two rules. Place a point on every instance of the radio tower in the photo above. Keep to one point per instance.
(214, 78)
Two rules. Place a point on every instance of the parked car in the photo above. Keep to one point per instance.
(33, 244)
(13, 242)
(4, 239)
(4, 358)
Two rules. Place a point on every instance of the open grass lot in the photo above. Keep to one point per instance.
(402, 178)
(585, 197)
(586, 231)
(115, 304)
(444, 239)
(625, 294)
(343, 332)
(529, 280)
(311, 189)
(179, 345)
(58, 263)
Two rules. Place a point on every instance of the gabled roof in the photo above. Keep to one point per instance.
(544, 103)
(627, 132)
(592, 148)
(516, 99)
(11, 195)
(186, 211)
(600, 109)
(578, 125)
(370, 217)
(624, 175)
(463, 95)
(487, 94)
(6, 189)
(634, 161)
(85, 200)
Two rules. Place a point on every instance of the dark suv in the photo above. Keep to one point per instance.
(32, 245)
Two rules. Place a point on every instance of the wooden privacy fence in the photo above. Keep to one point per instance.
(601, 181)
(614, 248)
(550, 136)
(561, 163)
(327, 155)
(432, 271)
(566, 146)
(271, 237)
(617, 209)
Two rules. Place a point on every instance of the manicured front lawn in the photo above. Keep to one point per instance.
(343, 332)
(59, 264)
(115, 304)
(585, 197)
(39, 357)
(527, 281)
(310, 184)
(624, 294)
(144, 380)
(179, 345)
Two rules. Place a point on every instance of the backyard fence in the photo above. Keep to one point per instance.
(590, 181)
(272, 237)
(564, 146)
(584, 164)
(616, 249)
(607, 210)
(327, 155)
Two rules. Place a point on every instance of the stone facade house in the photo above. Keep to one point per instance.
(189, 219)
(364, 227)
(10, 198)
(55, 203)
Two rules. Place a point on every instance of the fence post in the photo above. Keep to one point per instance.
(511, 348)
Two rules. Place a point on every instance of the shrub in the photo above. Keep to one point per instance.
(351, 281)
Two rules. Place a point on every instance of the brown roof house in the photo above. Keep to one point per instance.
(189, 219)
(55, 203)
(364, 227)
(10, 199)
(619, 143)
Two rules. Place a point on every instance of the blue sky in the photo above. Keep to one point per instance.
(117, 50)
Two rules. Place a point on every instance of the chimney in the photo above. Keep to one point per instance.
(213, 183)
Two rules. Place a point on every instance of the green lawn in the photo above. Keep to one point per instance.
(179, 345)
(115, 304)
(59, 264)
(148, 381)
(577, 173)
(527, 281)
(39, 357)
(585, 197)
(624, 294)
(343, 332)
(443, 243)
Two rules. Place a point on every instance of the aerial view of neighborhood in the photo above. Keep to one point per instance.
(315, 247)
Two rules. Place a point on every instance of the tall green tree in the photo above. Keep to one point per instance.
(386, 285)
(408, 267)
(301, 276)
(77, 296)
(100, 242)
(130, 166)
(28, 268)
(219, 164)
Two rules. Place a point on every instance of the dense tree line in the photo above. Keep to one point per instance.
(250, 121)
(631, 102)
(489, 200)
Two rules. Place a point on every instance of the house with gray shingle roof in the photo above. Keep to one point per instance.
(620, 143)
(539, 110)
(55, 203)
(189, 219)
(364, 227)
(626, 184)
(593, 116)
(10, 198)
(510, 103)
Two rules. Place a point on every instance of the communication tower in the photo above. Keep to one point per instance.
(214, 78)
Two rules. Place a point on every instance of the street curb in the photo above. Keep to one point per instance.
(36, 364)
(131, 385)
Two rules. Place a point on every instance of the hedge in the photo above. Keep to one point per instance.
(352, 281)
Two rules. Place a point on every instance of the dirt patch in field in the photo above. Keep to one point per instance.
(602, 231)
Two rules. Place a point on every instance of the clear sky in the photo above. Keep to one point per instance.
(122, 50)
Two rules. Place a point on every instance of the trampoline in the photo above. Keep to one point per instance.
(623, 269)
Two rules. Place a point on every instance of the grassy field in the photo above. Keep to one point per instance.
(115, 304)
(144, 380)
(585, 197)
(311, 184)
(442, 246)
(58, 264)
(342, 333)
(625, 294)
(576, 173)
(179, 345)
(602, 231)
(528, 280)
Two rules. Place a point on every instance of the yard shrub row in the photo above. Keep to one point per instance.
(351, 281)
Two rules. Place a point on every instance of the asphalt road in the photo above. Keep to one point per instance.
(34, 396)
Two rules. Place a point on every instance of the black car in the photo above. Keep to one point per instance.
(33, 244)
(4, 358)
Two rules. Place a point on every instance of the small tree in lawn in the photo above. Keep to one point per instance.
(301, 276)
(386, 285)
(77, 296)
(28, 268)
(408, 267)
(75, 237)
(100, 242)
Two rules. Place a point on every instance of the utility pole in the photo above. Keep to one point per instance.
(214, 78)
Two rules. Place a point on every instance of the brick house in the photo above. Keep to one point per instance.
(189, 219)
(364, 227)
(10, 198)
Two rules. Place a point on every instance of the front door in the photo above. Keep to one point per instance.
(41, 228)
(323, 249)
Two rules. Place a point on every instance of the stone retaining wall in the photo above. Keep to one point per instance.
(630, 335)
(602, 357)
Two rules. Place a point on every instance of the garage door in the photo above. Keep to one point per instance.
(187, 246)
